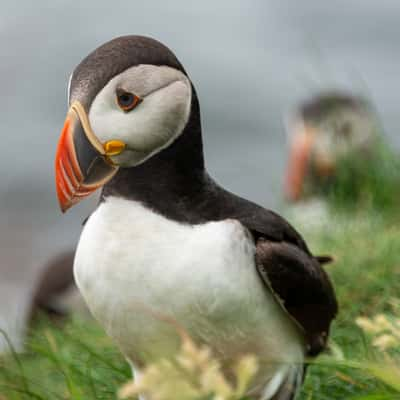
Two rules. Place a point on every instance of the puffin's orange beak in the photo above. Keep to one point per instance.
(298, 163)
(82, 164)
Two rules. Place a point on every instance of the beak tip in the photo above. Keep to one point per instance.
(63, 207)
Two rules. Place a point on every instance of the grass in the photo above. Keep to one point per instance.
(366, 276)
(364, 182)
(77, 361)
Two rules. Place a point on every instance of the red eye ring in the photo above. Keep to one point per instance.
(127, 101)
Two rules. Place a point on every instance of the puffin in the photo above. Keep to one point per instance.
(55, 288)
(323, 130)
(167, 246)
(50, 293)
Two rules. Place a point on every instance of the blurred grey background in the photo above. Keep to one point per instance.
(249, 60)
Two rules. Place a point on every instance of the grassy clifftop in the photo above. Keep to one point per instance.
(77, 361)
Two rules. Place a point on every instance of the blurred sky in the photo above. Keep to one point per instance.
(249, 60)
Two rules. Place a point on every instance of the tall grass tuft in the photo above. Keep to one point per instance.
(368, 183)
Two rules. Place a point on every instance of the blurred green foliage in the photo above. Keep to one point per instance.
(365, 182)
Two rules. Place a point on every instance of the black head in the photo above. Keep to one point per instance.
(114, 57)
(133, 111)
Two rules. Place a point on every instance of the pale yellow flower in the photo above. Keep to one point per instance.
(193, 373)
(385, 342)
(245, 370)
(367, 325)
(384, 329)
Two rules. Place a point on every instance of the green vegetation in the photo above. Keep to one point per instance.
(368, 182)
(366, 276)
(77, 360)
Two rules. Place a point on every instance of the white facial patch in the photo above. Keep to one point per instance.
(69, 88)
(155, 123)
(345, 132)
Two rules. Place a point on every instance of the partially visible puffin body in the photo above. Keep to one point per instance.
(56, 294)
(166, 243)
(51, 292)
(322, 131)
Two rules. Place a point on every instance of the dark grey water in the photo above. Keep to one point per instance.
(250, 61)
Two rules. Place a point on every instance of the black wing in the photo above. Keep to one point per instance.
(302, 285)
(287, 265)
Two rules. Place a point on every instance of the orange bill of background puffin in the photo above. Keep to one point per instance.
(298, 163)
(82, 162)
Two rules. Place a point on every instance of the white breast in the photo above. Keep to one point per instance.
(138, 271)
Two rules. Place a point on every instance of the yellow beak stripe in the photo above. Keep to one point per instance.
(114, 147)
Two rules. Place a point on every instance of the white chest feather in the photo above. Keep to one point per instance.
(138, 271)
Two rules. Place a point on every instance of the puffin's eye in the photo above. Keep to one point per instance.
(127, 101)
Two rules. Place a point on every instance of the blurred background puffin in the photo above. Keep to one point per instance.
(324, 130)
(338, 160)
